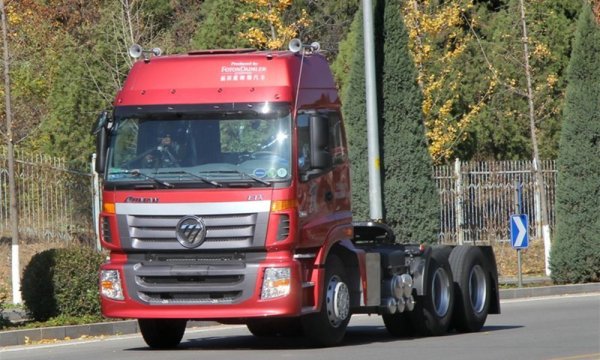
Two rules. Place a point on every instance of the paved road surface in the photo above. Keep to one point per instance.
(561, 328)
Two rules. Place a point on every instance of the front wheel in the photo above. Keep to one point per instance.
(433, 311)
(162, 333)
(472, 288)
(328, 326)
(286, 327)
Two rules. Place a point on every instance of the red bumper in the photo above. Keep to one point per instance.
(133, 306)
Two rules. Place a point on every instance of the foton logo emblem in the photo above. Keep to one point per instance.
(191, 231)
(141, 200)
(255, 197)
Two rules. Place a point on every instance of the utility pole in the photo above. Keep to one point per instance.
(12, 187)
(374, 165)
(539, 179)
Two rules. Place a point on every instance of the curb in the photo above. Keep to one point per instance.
(125, 327)
(520, 293)
(27, 336)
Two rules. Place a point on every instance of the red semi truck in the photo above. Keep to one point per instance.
(226, 197)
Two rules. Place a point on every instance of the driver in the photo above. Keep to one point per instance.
(167, 153)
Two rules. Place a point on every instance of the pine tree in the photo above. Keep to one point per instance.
(354, 109)
(409, 194)
(575, 255)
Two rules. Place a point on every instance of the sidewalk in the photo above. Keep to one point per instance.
(25, 336)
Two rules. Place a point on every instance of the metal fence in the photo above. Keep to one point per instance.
(54, 202)
(477, 199)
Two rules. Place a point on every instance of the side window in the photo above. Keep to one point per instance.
(336, 140)
(126, 142)
(303, 142)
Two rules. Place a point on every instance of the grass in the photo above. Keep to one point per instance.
(61, 320)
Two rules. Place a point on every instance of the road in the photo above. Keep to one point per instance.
(561, 328)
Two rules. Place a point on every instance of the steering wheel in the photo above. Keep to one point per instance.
(263, 154)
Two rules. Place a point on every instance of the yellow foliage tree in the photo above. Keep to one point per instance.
(269, 29)
(437, 41)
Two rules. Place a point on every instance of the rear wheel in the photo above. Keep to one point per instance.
(398, 325)
(162, 333)
(328, 326)
(433, 311)
(472, 288)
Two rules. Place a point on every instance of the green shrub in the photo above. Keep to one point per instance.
(62, 282)
(37, 287)
(4, 322)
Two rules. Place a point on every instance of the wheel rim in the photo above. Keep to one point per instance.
(440, 292)
(338, 301)
(477, 288)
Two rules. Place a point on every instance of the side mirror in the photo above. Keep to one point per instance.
(100, 129)
(101, 122)
(320, 157)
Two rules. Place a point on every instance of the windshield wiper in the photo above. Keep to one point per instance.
(158, 181)
(201, 178)
(243, 175)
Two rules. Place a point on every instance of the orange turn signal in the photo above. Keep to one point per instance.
(281, 205)
(108, 208)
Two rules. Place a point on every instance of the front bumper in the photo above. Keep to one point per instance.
(200, 287)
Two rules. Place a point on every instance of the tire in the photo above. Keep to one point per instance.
(162, 333)
(261, 328)
(432, 315)
(472, 287)
(398, 325)
(328, 326)
(286, 327)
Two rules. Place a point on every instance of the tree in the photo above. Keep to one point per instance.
(221, 26)
(330, 24)
(12, 187)
(409, 195)
(439, 33)
(268, 26)
(342, 64)
(501, 130)
(93, 64)
(354, 111)
(575, 254)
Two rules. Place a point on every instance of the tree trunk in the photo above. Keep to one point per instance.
(539, 179)
(12, 188)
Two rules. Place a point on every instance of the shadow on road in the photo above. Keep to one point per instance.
(355, 336)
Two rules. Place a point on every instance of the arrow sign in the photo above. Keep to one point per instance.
(519, 237)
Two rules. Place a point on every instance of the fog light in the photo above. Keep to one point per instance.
(110, 284)
(276, 283)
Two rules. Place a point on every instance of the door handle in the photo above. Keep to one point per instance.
(328, 196)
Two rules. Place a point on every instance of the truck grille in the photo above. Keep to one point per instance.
(187, 280)
(224, 231)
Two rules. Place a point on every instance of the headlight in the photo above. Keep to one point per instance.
(110, 284)
(276, 283)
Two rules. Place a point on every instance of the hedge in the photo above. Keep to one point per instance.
(62, 282)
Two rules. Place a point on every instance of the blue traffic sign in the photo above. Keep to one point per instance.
(519, 234)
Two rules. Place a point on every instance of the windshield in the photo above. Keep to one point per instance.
(212, 145)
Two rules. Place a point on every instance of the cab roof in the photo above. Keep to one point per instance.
(223, 76)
